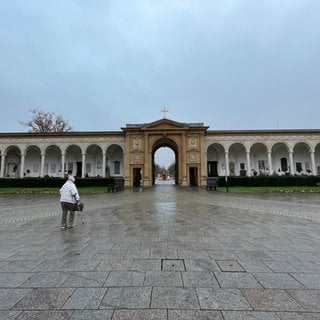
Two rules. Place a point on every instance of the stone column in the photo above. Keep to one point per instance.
(43, 158)
(104, 164)
(291, 162)
(23, 157)
(63, 161)
(313, 163)
(183, 177)
(146, 174)
(270, 163)
(83, 165)
(248, 164)
(227, 163)
(3, 156)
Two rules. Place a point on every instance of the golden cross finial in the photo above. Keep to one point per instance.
(164, 111)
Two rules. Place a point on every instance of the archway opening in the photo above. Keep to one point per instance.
(164, 162)
(164, 166)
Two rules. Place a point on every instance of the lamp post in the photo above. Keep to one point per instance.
(227, 187)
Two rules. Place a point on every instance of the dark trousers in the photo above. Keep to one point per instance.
(67, 207)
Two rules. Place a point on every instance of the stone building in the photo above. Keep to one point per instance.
(129, 153)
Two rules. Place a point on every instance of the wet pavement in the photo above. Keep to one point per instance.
(161, 253)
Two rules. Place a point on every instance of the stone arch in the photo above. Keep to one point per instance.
(170, 143)
(216, 165)
(12, 161)
(317, 158)
(301, 158)
(237, 159)
(281, 158)
(32, 161)
(115, 160)
(74, 160)
(52, 165)
(94, 161)
(259, 158)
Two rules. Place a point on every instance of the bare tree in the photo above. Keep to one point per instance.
(46, 122)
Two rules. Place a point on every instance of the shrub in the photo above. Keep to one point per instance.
(270, 181)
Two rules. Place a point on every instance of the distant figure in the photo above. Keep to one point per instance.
(69, 197)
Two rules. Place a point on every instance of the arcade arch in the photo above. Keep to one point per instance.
(115, 161)
(165, 142)
(216, 160)
(12, 162)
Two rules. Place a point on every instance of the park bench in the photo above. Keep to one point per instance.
(116, 185)
(212, 183)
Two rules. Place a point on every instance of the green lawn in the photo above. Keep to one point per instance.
(84, 190)
(88, 190)
(271, 189)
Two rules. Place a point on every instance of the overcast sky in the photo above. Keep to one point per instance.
(231, 64)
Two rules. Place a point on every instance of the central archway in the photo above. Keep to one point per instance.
(165, 142)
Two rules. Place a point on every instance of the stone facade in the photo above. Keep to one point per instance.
(129, 153)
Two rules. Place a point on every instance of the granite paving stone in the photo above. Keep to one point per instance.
(146, 265)
(249, 315)
(163, 279)
(47, 315)
(310, 281)
(174, 298)
(194, 315)
(14, 279)
(85, 298)
(44, 298)
(92, 315)
(222, 299)
(236, 280)
(125, 279)
(85, 279)
(199, 279)
(146, 314)
(9, 297)
(47, 279)
(309, 299)
(271, 300)
(127, 297)
(278, 281)
(298, 316)
(115, 265)
(200, 265)
(163, 253)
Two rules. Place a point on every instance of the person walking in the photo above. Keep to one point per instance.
(69, 197)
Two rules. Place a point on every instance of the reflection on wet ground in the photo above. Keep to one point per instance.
(161, 253)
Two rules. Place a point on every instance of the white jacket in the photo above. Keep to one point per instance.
(69, 192)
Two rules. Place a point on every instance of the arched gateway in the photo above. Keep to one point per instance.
(185, 140)
(129, 154)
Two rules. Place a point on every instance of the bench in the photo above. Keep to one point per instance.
(117, 185)
(212, 183)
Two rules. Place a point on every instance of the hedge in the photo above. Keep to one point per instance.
(52, 182)
(270, 181)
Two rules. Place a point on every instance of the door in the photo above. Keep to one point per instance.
(136, 177)
(193, 176)
(212, 168)
(79, 169)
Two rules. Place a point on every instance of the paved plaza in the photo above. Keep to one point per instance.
(164, 253)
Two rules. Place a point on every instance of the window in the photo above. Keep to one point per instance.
(88, 167)
(70, 166)
(52, 167)
(299, 167)
(242, 166)
(261, 164)
(284, 165)
(116, 167)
